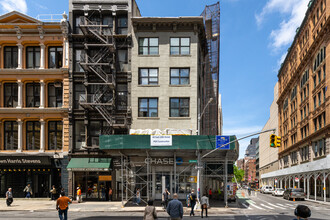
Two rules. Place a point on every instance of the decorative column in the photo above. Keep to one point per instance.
(304, 184)
(42, 56)
(42, 94)
(20, 136)
(324, 189)
(308, 190)
(65, 62)
(315, 180)
(20, 94)
(42, 135)
(20, 56)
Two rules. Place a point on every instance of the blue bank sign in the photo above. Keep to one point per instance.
(221, 141)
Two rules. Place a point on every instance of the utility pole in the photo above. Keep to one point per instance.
(200, 115)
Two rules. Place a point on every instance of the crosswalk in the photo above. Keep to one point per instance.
(250, 205)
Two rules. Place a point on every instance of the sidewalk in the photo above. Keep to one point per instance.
(47, 205)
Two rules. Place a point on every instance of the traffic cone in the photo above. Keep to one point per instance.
(294, 199)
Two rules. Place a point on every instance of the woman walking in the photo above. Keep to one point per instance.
(205, 204)
(28, 191)
(150, 212)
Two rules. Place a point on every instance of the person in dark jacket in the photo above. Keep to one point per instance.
(302, 212)
(193, 199)
(175, 208)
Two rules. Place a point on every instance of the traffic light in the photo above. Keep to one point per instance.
(277, 141)
(272, 140)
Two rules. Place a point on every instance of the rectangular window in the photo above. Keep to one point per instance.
(148, 76)
(77, 21)
(122, 25)
(32, 135)
(55, 133)
(32, 57)
(107, 20)
(123, 60)
(95, 130)
(180, 76)
(179, 107)
(79, 95)
(32, 95)
(319, 75)
(55, 57)
(148, 107)
(11, 135)
(319, 97)
(180, 46)
(314, 102)
(121, 96)
(314, 80)
(79, 56)
(10, 95)
(148, 46)
(55, 93)
(79, 134)
(10, 57)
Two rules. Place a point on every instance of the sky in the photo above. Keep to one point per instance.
(255, 36)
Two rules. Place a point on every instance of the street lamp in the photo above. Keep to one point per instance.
(200, 115)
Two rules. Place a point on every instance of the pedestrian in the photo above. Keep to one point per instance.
(165, 198)
(210, 193)
(193, 199)
(205, 204)
(9, 197)
(110, 194)
(28, 191)
(103, 193)
(150, 212)
(78, 194)
(175, 208)
(62, 205)
(53, 193)
(249, 190)
(302, 212)
(138, 196)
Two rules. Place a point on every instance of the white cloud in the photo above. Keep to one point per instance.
(40, 6)
(284, 35)
(13, 5)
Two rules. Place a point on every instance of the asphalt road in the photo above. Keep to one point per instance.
(266, 204)
(259, 207)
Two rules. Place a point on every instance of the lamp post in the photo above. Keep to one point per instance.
(200, 115)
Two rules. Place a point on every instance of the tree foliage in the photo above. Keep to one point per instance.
(239, 174)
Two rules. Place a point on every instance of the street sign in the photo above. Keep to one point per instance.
(222, 140)
(297, 179)
(275, 180)
(192, 161)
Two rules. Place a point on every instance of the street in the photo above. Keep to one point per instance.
(258, 207)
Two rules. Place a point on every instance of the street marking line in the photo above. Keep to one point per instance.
(275, 206)
(289, 205)
(248, 207)
(266, 206)
(281, 205)
(256, 206)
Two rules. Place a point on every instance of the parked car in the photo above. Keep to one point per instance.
(266, 189)
(297, 193)
(278, 192)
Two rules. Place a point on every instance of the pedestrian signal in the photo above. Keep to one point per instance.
(272, 140)
(277, 141)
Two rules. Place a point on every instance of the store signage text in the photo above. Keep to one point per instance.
(160, 140)
(19, 161)
(162, 161)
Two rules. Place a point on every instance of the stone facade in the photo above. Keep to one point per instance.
(268, 157)
(164, 62)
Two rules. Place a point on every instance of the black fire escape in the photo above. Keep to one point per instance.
(99, 64)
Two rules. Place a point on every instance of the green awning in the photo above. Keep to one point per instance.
(89, 164)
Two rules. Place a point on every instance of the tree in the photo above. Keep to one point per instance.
(239, 174)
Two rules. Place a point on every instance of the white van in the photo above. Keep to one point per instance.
(267, 189)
